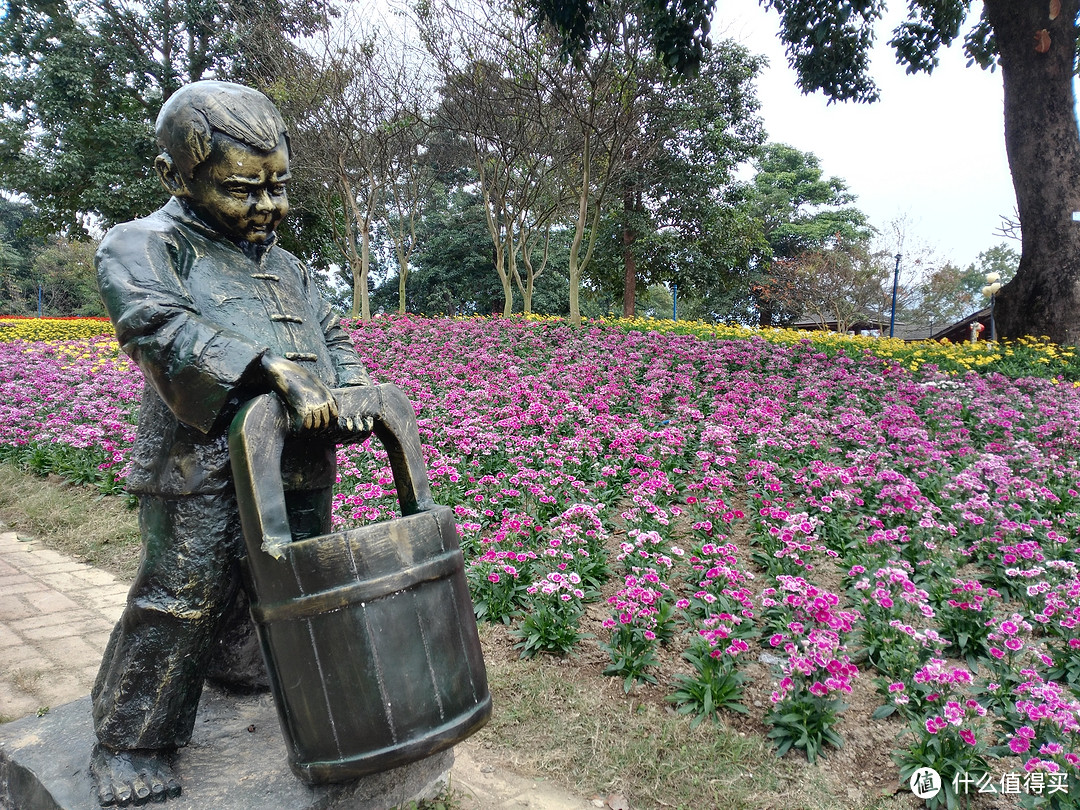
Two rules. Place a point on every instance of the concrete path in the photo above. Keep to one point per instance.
(55, 618)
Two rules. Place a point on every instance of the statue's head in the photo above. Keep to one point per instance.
(225, 152)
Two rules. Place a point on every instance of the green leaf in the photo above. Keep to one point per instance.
(883, 711)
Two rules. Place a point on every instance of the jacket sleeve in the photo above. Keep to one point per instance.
(196, 366)
(348, 366)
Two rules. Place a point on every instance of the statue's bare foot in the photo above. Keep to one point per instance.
(124, 778)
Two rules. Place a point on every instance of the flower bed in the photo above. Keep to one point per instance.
(46, 329)
(842, 513)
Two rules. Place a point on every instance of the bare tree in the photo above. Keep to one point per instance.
(358, 116)
(842, 283)
(598, 96)
(494, 99)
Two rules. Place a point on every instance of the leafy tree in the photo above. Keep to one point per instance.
(81, 84)
(607, 142)
(452, 273)
(1000, 259)
(800, 212)
(59, 270)
(677, 178)
(65, 269)
(599, 102)
(453, 261)
(498, 103)
(678, 33)
(17, 285)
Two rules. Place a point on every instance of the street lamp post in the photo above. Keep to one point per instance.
(895, 282)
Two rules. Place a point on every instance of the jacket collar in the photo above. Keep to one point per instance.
(179, 210)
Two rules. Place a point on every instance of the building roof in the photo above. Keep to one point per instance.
(960, 331)
(956, 332)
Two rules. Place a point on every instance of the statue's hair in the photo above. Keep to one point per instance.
(193, 114)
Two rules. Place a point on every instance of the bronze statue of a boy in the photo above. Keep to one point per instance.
(214, 314)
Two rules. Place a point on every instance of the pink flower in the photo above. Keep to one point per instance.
(967, 736)
(1019, 745)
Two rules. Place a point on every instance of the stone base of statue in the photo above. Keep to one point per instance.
(236, 761)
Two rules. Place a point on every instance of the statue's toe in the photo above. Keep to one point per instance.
(125, 778)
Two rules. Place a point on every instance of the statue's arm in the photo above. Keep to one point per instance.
(196, 366)
(348, 366)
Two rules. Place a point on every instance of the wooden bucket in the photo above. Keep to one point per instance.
(369, 635)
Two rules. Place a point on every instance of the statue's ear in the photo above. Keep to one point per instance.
(171, 176)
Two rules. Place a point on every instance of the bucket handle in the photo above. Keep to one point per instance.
(257, 437)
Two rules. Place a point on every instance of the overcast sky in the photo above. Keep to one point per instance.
(932, 148)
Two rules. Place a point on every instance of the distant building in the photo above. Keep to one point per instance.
(961, 330)
(957, 332)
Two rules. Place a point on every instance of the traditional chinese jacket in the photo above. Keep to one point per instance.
(197, 313)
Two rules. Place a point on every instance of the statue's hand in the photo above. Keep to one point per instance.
(357, 425)
(310, 402)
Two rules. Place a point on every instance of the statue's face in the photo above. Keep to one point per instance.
(240, 191)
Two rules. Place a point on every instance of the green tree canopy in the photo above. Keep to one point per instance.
(673, 218)
(800, 212)
(678, 32)
(798, 207)
(81, 82)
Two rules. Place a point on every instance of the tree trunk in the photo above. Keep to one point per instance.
(349, 239)
(506, 274)
(628, 239)
(403, 276)
(1043, 145)
(365, 269)
(765, 315)
(574, 262)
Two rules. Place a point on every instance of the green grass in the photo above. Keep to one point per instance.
(101, 531)
(560, 720)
